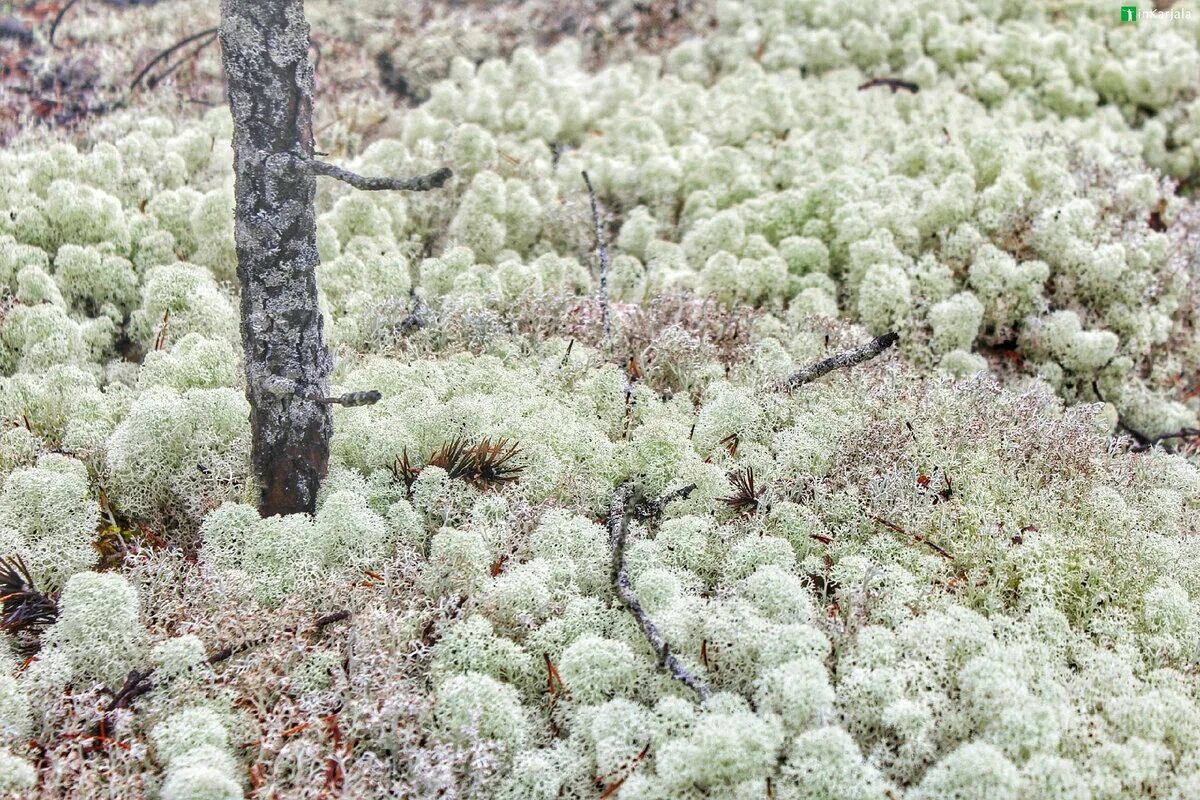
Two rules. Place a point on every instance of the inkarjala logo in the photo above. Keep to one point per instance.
(1131, 14)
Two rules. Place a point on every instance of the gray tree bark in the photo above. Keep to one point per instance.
(264, 46)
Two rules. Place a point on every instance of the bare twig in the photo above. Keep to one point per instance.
(895, 84)
(421, 183)
(1149, 442)
(209, 35)
(623, 503)
(842, 360)
(316, 48)
(354, 398)
(916, 537)
(58, 18)
(137, 683)
(602, 250)
(1145, 442)
(652, 509)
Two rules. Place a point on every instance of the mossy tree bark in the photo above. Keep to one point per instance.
(264, 46)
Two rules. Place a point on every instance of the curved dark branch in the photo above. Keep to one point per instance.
(315, 46)
(58, 18)
(421, 183)
(209, 35)
(622, 508)
(895, 84)
(1144, 442)
(1150, 442)
(842, 360)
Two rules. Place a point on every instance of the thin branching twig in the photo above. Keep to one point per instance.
(1144, 442)
(137, 682)
(620, 512)
(842, 360)
(1150, 442)
(602, 251)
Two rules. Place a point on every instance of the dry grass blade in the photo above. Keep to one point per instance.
(484, 464)
(27, 612)
(746, 495)
(493, 462)
(457, 457)
(404, 471)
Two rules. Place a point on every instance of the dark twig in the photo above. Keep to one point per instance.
(58, 18)
(137, 683)
(1149, 442)
(154, 80)
(842, 360)
(354, 398)
(620, 512)
(916, 537)
(209, 35)
(602, 250)
(1145, 442)
(895, 84)
(653, 509)
(316, 48)
(421, 183)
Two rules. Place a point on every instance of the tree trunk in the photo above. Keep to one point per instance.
(264, 46)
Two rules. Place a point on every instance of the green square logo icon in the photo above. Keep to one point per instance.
(1128, 13)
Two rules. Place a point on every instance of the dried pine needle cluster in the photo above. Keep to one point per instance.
(718, 547)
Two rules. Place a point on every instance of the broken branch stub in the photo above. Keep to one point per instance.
(842, 360)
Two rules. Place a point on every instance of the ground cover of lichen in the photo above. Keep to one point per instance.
(949, 581)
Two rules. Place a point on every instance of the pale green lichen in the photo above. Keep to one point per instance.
(946, 588)
(99, 629)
